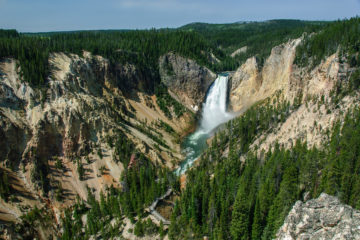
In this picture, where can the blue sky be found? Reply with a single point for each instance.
(49, 15)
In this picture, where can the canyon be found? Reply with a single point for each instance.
(89, 103)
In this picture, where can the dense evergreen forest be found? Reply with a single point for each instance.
(144, 47)
(342, 36)
(258, 37)
(249, 199)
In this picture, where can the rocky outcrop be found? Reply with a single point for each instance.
(239, 51)
(13, 140)
(281, 80)
(86, 101)
(244, 85)
(187, 81)
(250, 83)
(322, 218)
(14, 132)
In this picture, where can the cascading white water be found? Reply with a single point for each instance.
(213, 114)
(214, 109)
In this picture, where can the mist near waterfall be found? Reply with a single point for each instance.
(214, 109)
(213, 114)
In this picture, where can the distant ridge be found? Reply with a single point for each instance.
(199, 26)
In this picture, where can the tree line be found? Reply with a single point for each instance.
(142, 48)
(258, 37)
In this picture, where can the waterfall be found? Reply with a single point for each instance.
(213, 114)
(214, 109)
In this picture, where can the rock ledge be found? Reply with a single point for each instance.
(322, 218)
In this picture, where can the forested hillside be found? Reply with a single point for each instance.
(249, 199)
(258, 37)
(240, 192)
(342, 36)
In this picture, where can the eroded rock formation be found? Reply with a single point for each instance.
(187, 81)
(86, 101)
(322, 218)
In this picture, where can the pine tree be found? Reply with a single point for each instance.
(257, 225)
(239, 228)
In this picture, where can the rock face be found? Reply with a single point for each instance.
(281, 80)
(239, 51)
(87, 101)
(244, 84)
(187, 81)
(250, 84)
(322, 218)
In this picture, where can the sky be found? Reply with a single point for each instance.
(64, 15)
